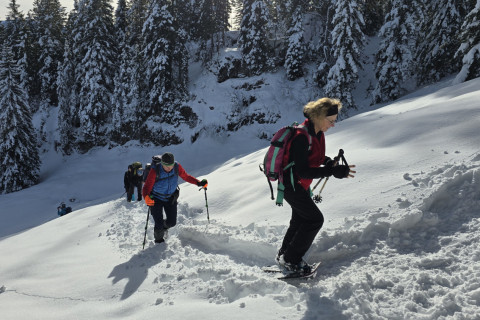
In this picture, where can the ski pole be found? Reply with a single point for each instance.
(318, 198)
(316, 184)
(206, 203)
(146, 226)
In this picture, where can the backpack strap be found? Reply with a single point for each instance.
(310, 138)
(157, 171)
(289, 168)
(281, 186)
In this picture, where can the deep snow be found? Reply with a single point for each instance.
(401, 240)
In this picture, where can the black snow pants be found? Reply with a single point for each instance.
(131, 191)
(306, 222)
(170, 208)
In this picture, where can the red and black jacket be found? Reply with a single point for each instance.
(308, 159)
(152, 175)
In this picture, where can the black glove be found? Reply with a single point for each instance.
(202, 183)
(328, 163)
(340, 171)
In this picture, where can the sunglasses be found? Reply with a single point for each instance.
(332, 122)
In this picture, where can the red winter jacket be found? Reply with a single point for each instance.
(150, 182)
(307, 162)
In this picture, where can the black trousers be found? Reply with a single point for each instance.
(170, 209)
(131, 191)
(306, 222)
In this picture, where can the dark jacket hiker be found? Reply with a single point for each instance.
(132, 179)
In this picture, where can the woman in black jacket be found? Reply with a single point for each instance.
(307, 150)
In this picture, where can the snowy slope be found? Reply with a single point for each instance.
(401, 239)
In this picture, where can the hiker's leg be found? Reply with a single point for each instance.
(131, 190)
(291, 232)
(308, 220)
(157, 214)
(139, 191)
(171, 213)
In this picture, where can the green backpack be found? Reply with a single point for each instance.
(135, 166)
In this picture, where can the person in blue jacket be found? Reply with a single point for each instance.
(62, 209)
(161, 192)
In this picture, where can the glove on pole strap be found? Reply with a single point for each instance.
(149, 201)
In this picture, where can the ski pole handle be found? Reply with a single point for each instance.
(335, 162)
(338, 157)
(318, 198)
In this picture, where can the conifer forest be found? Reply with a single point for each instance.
(120, 71)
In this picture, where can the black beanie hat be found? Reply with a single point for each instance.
(332, 110)
(168, 159)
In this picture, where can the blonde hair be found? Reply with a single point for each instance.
(321, 107)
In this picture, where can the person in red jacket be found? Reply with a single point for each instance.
(161, 191)
(310, 163)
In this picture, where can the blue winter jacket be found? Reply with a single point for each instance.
(165, 183)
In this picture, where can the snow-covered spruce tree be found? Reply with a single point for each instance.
(18, 149)
(253, 36)
(374, 13)
(165, 75)
(436, 49)
(16, 37)
(186, 13)
(181, 10)
(130, 86)
(49, 17)
(280, 19)
(319, 44)
(121, 22)
(295, 55)
(98, 72)
(395, 55)
(206, 28)
(347, 44)
(469, 50)
(68, 81)
(224, 9)
(120, 132)
(180, 62)
(2, 33)
(210, 25)
(66, 103)
(158, 47)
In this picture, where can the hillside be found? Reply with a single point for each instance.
(401, 239)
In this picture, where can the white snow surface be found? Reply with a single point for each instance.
(400, 241)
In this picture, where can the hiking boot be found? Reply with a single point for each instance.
(301, 267)
(279, 254)
(159, 240)
(159, 235)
